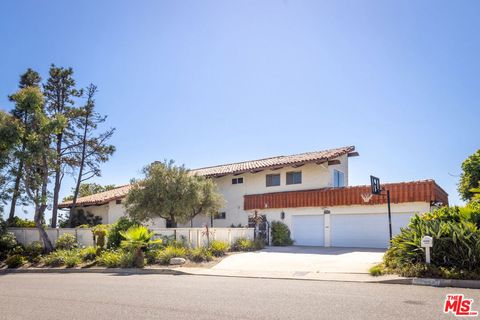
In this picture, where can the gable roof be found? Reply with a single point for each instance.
(258, 165)
(99, 198)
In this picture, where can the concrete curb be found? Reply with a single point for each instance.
(96, 270)
(469, 284)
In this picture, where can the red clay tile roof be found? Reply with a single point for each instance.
(99, 198)
(296, 159)
(415, 191)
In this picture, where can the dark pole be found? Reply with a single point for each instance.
(389, 215)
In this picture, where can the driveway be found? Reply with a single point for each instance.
(304, 259)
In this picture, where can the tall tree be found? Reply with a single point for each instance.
(172, 193)
(9, 139)
(470, 177)
(29, 79)
(60, 93)
(93, 149)
(37, 153)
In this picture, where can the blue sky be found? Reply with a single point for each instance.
(212, 82)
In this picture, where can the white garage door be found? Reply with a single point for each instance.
(308, 230)
(365, 230)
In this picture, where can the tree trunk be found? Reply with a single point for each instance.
(80, 171)
(58, 179)
(16, 190)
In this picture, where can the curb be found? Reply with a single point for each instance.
(92, 270)
(432, 282)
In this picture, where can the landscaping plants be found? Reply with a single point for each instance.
(456, 246)
(201, 254)
(138, 238)
(114, 236)
(66, 241)
(219, 248)
(15, 261)
(280, 234)
(170, 252)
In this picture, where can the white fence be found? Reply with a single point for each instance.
(193, 236)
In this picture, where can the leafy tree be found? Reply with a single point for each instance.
(60, 92)
(470, 177)
(137, 239)
(93, 149)
(172, 193)
(23, 115)
(36, 154)
(9, 138)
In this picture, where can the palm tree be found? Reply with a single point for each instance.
(137, 238)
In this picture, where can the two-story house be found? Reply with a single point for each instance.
(309, 192)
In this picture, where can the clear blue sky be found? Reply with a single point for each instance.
(212, 82)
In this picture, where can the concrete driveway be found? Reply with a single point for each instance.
(304, 259)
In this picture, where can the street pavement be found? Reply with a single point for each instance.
(113, 296)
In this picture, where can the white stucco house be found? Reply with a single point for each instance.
(309, 192)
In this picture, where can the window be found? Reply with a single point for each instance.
(221, 215)
(273, 180)
(294, 177)
(338, 179)
(237, 180)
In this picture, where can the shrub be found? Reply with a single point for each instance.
(17, 222)
(243, 244)
(114, 236)
(15, 261)
(219, 248)
(88, 253)
(33, 251)
(200, 254)
(116, 259)
(69, 258)
(99, 235)
(66, 241)
(7, 244)
(280, 234)
(170, 252)
(455, 251)
(377, 270)
(110, 259)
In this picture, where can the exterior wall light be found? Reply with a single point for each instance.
(282, 215)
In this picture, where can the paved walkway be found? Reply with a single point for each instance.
(303, 260)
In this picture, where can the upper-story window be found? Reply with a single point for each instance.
(272, 180)
(237, 180)
(294, 177)
(338, 179)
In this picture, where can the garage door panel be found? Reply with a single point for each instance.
(365, 230)
(308, 230)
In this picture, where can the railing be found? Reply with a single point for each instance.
(193, 236)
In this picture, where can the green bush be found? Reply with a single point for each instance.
(69, 258)
(200, 254)
(377, 270)
(455, 251)
(7, 244)
(99, 235)
(219, 248)
(33, 251)
(280, 234)
(17, 222)
(15, 261)
(116, 259)
(110, 259)
(66, 241)
(114, 236)
(170, 252)
(243, 244)
(88, 254)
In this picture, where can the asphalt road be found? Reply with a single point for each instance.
(108, 296)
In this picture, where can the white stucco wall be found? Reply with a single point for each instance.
(314, 176)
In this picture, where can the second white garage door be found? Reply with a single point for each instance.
(365, 230)
(308, 230)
